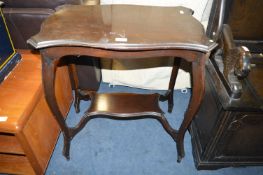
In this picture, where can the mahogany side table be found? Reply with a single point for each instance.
(124, 32)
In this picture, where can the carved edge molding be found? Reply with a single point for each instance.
(120, 46)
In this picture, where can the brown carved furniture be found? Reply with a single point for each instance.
(123, 32)
(28, 131)
(227, 130)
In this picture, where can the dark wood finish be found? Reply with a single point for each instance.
(85, 76)
(116, 31)
(123, 27)
(169, 94)
(255, 78)
(228, 132)
(124, 104)
(29, 134)
(79, 92)
(51, 58)
(236, 63)
(244, 17)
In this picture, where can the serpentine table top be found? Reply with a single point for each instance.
(122, 27)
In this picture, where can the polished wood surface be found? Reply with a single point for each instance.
(169, 94)
(28, 136)
(245, 19)
(227, 132)
(15, 164)
(117, 31)
(54, 56)
(124, 104)
(255, 79)
(17, 99)
(15, 88)
(10, 144)
(121, 27)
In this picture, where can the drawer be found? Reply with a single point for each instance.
(10, 145)
(15, 164)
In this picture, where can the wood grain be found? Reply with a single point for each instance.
(20, 92)
(122, 27)
(20, 164)
(9, 144)
(29, 135)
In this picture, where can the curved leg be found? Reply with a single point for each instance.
(66, 147)
(87, 117)
(169, 94)
(84, 120)
(167, 127)
(48, 79)
(198, 74)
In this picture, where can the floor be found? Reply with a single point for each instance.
(135, 147)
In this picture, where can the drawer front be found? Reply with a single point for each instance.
(15, 164)
(10, 145)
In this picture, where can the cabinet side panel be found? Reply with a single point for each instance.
(243, 139)
(207, 116)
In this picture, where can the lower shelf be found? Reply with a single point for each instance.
(124, 104)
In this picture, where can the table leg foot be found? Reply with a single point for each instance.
(179, 159)
(180, 150)
(66, 148)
